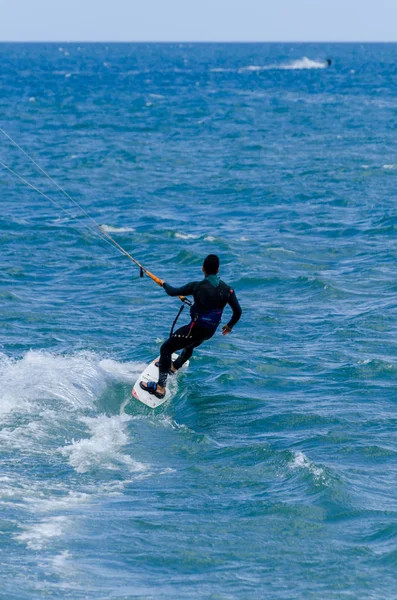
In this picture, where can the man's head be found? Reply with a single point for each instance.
(211, 265)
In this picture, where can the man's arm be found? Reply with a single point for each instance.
(236, 308)
(185, 290)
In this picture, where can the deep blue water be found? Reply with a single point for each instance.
(272, 472)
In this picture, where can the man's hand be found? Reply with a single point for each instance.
(226, 329)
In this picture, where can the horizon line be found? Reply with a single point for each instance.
(65, 41)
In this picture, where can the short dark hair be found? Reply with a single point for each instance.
(211, 264)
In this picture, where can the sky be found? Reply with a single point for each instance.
(198, 20)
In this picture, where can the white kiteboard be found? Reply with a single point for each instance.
(151, 373)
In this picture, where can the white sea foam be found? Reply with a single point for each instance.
(280, 249)
(186, 236)
(123, 372)
(255, 68)
(301, 461)
(45, 398)
(111, 229)
(304, 63)
(38, 535)
(390, 167)
(42, 379)
(46, 389)
(301, 63)
(220, 70)
(58, 503)
(103, 448)
(210, 238)
(61, 562)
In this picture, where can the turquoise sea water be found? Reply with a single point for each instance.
(272, 472)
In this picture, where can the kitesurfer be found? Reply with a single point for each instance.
(211, 295)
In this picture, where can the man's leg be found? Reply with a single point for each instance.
(187, 338)
(187, 353)
(197, 337)
(178, 341)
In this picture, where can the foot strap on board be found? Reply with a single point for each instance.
(151, 388)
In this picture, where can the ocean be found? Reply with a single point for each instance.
(271, 474)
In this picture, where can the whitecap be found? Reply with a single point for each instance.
(254, 68)
(37, 536)
(111, 229)
(301, 461)
(220, 70)
(280, 249)
(57, 503)
(41, 381)
(302, 63)
(122, 372)
(61, 562)
(186, 236)
(103, 449)
(390, 167)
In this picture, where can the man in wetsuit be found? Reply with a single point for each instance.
(210, 298)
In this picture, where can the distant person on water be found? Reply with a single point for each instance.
(211, 295)
(329, 62)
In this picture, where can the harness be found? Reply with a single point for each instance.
(202, 312)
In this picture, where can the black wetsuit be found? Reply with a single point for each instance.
(211, 295)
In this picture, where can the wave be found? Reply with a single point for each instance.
(103, 449)
(41, 378)
(52, 419)
(301, 461)
(46, 397)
